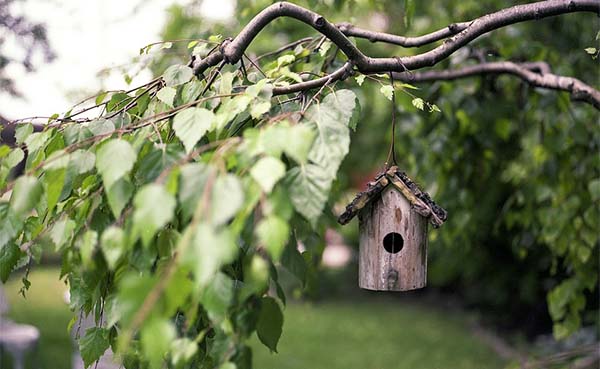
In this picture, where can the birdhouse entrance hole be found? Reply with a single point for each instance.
(393, 242)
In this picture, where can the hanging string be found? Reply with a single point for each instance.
(392, 153)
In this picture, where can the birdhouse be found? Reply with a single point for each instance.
(393, 216)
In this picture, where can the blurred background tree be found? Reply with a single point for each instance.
(33, 46)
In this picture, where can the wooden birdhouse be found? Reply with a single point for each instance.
(393, 215)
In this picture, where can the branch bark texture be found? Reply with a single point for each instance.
(535, 74)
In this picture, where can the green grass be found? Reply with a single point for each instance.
(375, 332)
(380, 334)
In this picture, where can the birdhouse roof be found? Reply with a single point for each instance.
(421, 201)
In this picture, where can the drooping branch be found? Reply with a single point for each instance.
(232, 50)
(535, 74)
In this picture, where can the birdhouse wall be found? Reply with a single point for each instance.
(380, 269)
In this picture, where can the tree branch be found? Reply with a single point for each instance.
(340, 74)
(478, 27)
(351, 30)
(232, 50)
(535, 74)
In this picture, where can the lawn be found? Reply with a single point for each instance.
(375, 332)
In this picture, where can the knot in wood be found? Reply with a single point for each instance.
(392, 278)
(319, 22)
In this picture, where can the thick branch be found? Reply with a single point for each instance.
(351, 30)
(478, 27)
(535, 74)
(232, 51)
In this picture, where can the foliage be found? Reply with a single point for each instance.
(153, 191)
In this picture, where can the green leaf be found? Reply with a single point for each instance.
(217, 297)
(191, 90)
(418, 103)
(211, 250)
(300, 141)
(132, 291)
(285, 60)
(293, 261)
(76, 133)
(156, 338)
(10, 224)
(87, 244)
(14, 158)
(594, 188)
(37, 140)
(82, 161)
(273, 232)
(9, 260)
(324, 48)
(409, 86)
(387, 91)
(53, 183)
(118, 195)
(360, 79)
(114, 159)
(62, 232)
(191, 44)
(100, 98)
(112, 244)
(227, 198)
(154, 208)
(22, 132)
(433, 108)
(57, 160)
(25, 194)
(225, 84)
(256, 279)
(4, 151)
(177, 75)
(332, 117)
(167, 95)
(267, 172)
(93, 345)
(192, 185)
(230, 109)
(308, 186)
(591, 50)
(101, 126)
(260, 108)
(270, 323)
(182, 351)
(191, 125)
